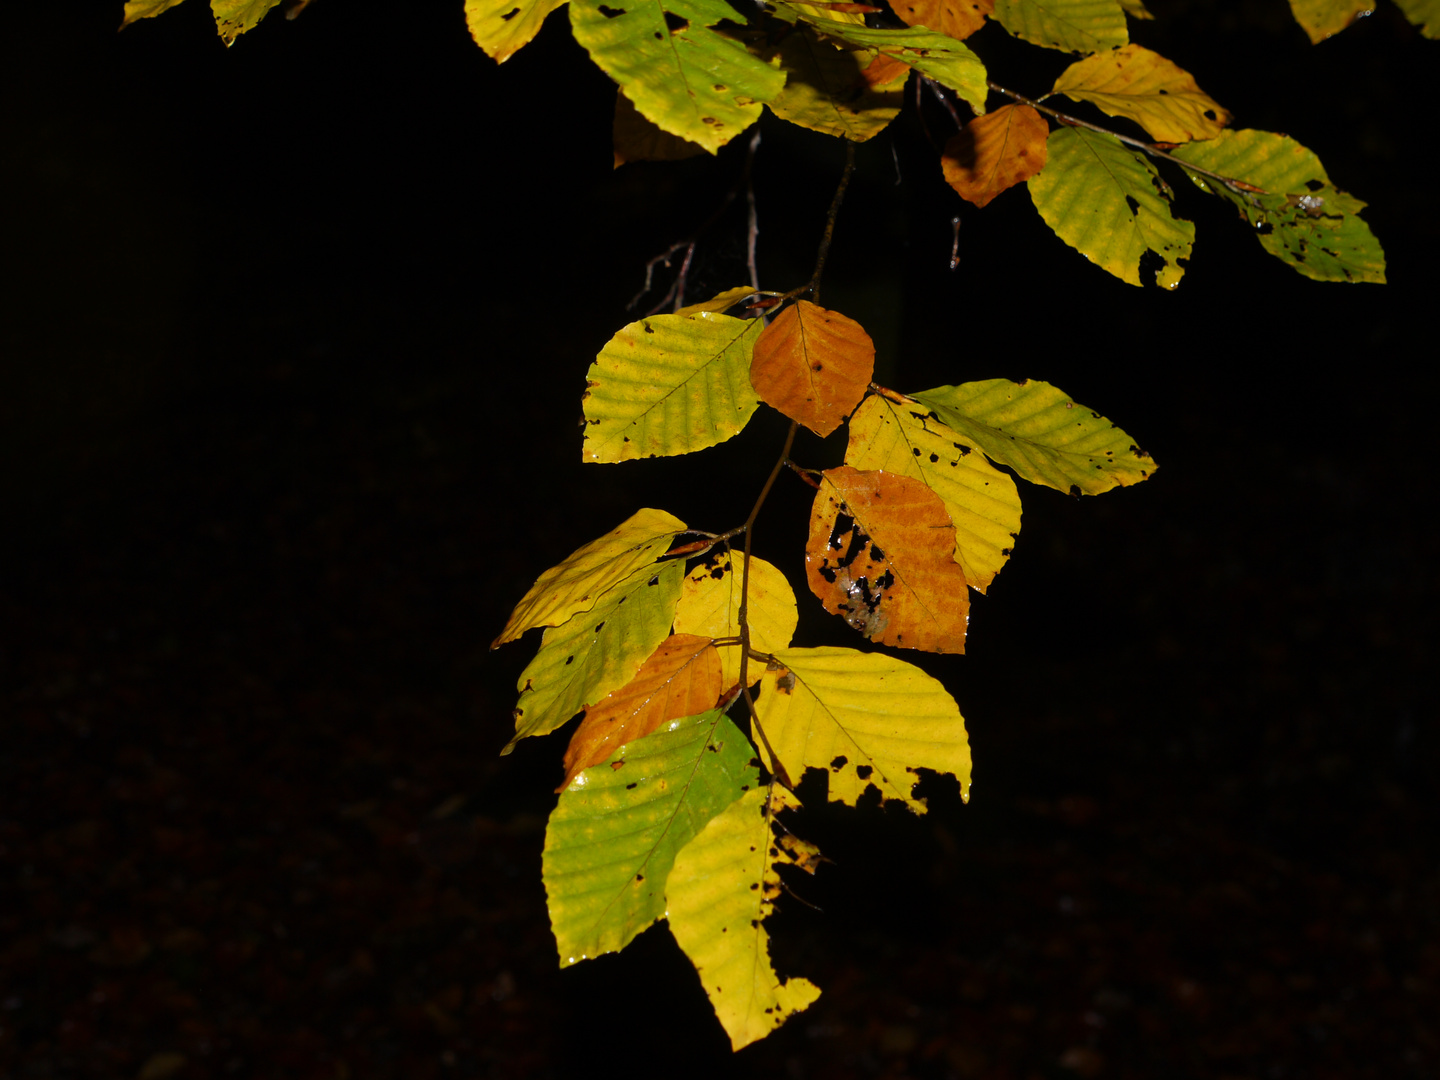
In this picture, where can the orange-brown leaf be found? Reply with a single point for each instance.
(954, 18)
(814, 365)
(883, 72)
(681, 678)
(881, 556)
(995, 152)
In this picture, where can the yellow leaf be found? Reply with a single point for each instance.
(145, 9)
(881, 555)
(994, 152)
(637, 139)
(904, 438)
(503, 27)
(1321, 19)
(720, 302)
(710, 606)
(234, 17)
(1143, 86)
(954, 18)
(814, 365)
(866, 719)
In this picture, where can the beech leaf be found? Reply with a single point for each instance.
(994, 152)
(955, 18)
(503, 27)
(1083, 26)
(145, 9)
(1136, 9)
(710, 607)
(720, 302)
(881, 554)
(868, 720)
(813, 365)
(234, 17)
(636, 139)
(826, 89)
(1321, 19)
(1424, 14)
(1143, 86)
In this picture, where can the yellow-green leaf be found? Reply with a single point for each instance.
(598, 651)
(503, 27)
(710, 607)
(1425, 14)
(1143, 86)
(670, 384)
(614, 834)
(826, 90)
(637, 139)
(1136, 9)
(1300, 217)
(1083, 26)
(1110, 204)
(234, 17)
(577, 583)
(1321, 19)
(145, 9)
(900, 437)
(1035, 429)
(720, 302)
(690, 80)
(866, 719)
(721, 888)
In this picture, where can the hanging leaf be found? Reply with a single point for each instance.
(710, 607)
(1136, 9)
(721, 888)
(1424, 14)
(614, 834)
(1083, 26)
(881, 555)
(683, 76)
(720, 302)
(866, 719)
(1143, 86)
(994, 152)
(680, 678)
(597, 651)
(575, 584)
(503, 27)
(888, 432)
(1110, 205)
(636, 139)
(1299, 216)
(813, 365)
(826, 89)
(1325, 18)
(145, 9)
(1033, 428)
(954, 18)
(234, 17)
(669, 384)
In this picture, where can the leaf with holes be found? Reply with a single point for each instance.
(614, 834)
(955, 18)
(826, 89)
(1143, 86)
(234, 17)
(813, 365)
(710, 607)
(868, 720)
(1035, 429)
(881, 555)
(1083, 26)
(721, 888)
(994, 152)
(1110, 205)
(503, 27)
(891, 433)
(681, 678)
(1321, 19)
(670, 384)
(684, 77)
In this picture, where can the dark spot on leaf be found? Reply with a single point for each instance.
(610, 12)
(675, 23)
(639, 877)
(863, 771)
(569, 660)
(597, 627)
(1075, 490)
(632, 787)
(648, 328)
(1006, 552)
(876, 555)
(1162, 89)
(963, 449)
(1314, 185)
(838, 764)
(1209, 114)
(659, 36)
(828, 573)
(718, 573)
(885, 580)
(917, 451)
(785, 683)
(753, 887)
(1132, 204)
(1264, 228)
(510, 14)
(934, 458)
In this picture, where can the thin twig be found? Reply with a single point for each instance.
(830, 217)
(949, 105)
(955, 243)
(752, 230)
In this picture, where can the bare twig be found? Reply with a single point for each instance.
(752, 230)
(934, 88)
(830, 217)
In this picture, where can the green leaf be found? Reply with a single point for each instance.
(721, 888)
(1083, 26)
(1033, 428)
(1110, 205)
(597, 651)
(503, 27)
(145, 9)
(614, 834)
(1425, 14)
(690, 81)
(1300, 217)
(670, 384)
(1143, 86)
(1321, 19)
(710, 607)
(899, 437)
(825, 88)
(234, 17)
(866, 719)
(577, 583)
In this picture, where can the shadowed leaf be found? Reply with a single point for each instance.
(710, 606)
(826, 89)
(813, 365)
(1425, 14)
(1321, 19)
(955, 18)
(994, 152)
(721, 302)
(1083, 26)
(1143, 86)
(637, 139)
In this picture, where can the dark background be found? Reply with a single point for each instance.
(292, 344)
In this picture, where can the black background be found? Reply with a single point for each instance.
(293, 339)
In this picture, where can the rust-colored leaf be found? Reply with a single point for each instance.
(885, 73)
(681, 678)
(880, 555)
(995, 152)
(813, 365)
(954, 18)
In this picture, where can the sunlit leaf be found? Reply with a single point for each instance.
(145, 9)
(234, 17)
(887, 433)
(669, 384)
(1425, 14)
(503, 27)
(636, 139)
(866, 719)
(955, 18)
(994, 152)
(1083, 26)
(598, 651)
(1325, 18)
(1109, 204)
(614, 834)
(721, 888)
(1033, 428)
(681, 74)
(881, 554)
(1301, 218)
(575, 584)
(710, 606)
(826, 89)
(1143, 86)
(813, 365)
(720, 302)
